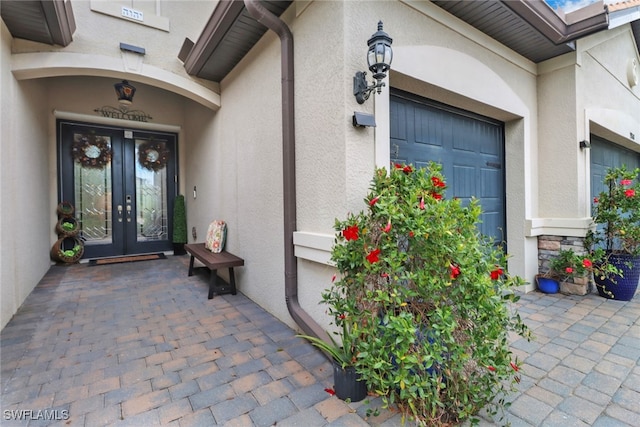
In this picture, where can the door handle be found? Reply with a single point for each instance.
(119, 213)
(128, 213)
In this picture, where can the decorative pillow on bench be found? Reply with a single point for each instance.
(216, 236)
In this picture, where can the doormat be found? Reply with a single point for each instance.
(129, 258)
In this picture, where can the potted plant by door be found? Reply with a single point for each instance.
(179, 226)
(348, 384)
(427, 300)
(616, 231)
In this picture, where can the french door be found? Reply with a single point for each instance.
(122, 183)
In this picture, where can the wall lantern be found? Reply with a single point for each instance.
(125, 92)
(379, 59)
(584, 144)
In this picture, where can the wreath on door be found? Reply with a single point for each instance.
(92, 151)
(153, 155)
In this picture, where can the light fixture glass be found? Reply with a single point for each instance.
(379, 57)
(380, 54)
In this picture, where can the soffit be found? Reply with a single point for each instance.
(228, 36)
(46, 21)
(531, 28)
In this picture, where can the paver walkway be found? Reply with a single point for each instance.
(139, 344)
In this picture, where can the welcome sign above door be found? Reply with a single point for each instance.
(123, 113)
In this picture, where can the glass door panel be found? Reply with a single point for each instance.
(152, 158)
(93, 203)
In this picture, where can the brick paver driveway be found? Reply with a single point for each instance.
(139, 344)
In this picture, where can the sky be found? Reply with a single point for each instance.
(571, 5)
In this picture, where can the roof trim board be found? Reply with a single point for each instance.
(45, 21)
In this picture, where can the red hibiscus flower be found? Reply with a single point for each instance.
(398, 166)
(437, 182)
(495, 274)
(596, 200)
(625, 182)
(374, 256)
(330, 391)
(388, 227)
(586, 263)
(568, 270)
(436, 196)
(411, 234)
(407, 169)
(491, 368)
(351, 232)
(374, 200)
(455, 271)
(630, 192)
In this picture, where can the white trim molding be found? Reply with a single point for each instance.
(26, 66)
(574, 227)
(313, 246)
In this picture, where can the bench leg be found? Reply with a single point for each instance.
(213, 283)
(232, 280)
(191, 266)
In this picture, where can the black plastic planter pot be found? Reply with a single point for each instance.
(347, 383)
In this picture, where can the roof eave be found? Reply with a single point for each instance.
(52, 21)
(558, 29)
(222, 18)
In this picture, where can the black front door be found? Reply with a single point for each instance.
(122, 183)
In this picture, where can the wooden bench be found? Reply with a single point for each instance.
(214, 262)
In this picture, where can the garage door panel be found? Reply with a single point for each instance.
(432, 128)
(463, 181)
(490, 184)
(490, 141)
(398, 124)
(470, 149)
(465, 137)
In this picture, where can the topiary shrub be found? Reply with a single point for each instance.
(179, 237)
(429, 298)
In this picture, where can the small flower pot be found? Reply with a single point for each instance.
(347, 383)
(67, 227)
(547, 285)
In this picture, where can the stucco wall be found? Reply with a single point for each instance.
(334, 160)
(611, 101)
(98, 33)
(24, 177)
(583, 92)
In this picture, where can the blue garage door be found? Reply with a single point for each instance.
(469, 147)
(605, 154)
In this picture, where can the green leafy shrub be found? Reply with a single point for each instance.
(427, 299)
(616, 213)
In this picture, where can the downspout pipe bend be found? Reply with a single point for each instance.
(274, 23)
